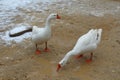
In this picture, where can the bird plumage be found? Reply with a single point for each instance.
(86, 43)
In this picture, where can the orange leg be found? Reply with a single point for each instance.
(79, 56)
(90, 59)
(37, 50)
(46, 48)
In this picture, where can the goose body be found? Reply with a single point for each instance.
(86, 43)
(40, 35)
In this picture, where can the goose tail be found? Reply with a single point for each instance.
(19, 33)
(99, 33)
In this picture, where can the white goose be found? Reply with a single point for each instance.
(39, 35)
(42, 35)
(86, 43)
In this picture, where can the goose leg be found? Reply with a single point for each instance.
(79, 56)
(37, 50)
(90, 59)
(46, 48)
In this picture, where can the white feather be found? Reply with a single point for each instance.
(41, 35)
(86, 43)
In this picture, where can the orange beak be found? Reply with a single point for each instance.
(58, 67)
(58, 17)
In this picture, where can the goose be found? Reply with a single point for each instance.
(86, 43)
(40, 35)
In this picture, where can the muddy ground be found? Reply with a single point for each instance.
(18, 61)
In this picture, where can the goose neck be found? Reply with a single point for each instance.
(67, 56)
(47, 24)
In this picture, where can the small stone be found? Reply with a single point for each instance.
(113, 71)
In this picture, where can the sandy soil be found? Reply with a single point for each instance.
(18, 61)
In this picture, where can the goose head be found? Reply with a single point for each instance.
(61, 64)
(64, 60)
(54, 16)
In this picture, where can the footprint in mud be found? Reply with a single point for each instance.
(2, 64)
(118, 41)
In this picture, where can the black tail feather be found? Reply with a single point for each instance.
(20, 33)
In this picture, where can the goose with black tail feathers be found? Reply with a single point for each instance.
(40, 35)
